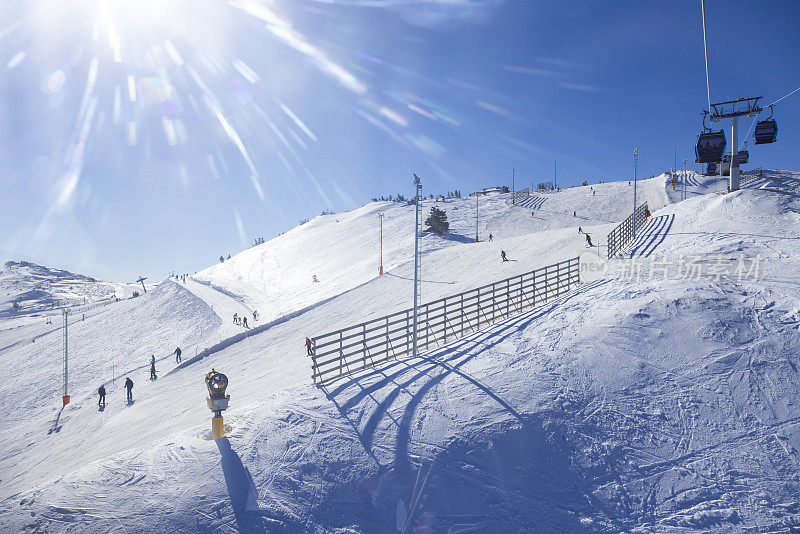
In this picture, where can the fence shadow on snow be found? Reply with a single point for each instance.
(383, 384)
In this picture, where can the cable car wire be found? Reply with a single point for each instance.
(705, 48)
(781, 98)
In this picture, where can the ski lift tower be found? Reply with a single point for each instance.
(141, 281)
(733, 109)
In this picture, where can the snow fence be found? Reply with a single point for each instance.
(624, 233)
(350, 349)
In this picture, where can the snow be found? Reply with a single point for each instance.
(639, 402)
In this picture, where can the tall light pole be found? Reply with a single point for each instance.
(65, 398)
(513, 189)
(380, 218)
(675, 160)
(476, 216)
(635, 171)
(417, 187)
(555, 174)
(684, 179)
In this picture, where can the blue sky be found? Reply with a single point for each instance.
(142, 137)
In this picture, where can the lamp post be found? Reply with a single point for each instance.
(476, 216)
(380, 217)
(684, 179)
(417, 188)
(65, 397)
(635, 171)
(513, 189)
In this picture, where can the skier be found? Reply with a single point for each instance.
(244, 321)
(177, 355)
(308, 346)
(589, 240)
(503, 255)
(235, 318)
(315, 279)
(574, 214)
(580, 230)
(490, 237)
(102, 392)
(255, 315)
(153, 367)
(129, 387)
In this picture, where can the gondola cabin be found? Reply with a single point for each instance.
(766, 132)
(710, 147)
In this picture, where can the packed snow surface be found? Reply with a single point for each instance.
(661, 396)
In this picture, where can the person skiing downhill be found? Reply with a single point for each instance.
(490, 237)
(129, 387)
(308, 346)
(244, 321)
(503, 255)
(589, 240)
(153, 367)
(235, 318)
(255, 315)
(177, 355)
(102, 400)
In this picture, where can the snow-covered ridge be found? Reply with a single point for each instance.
(27, 288)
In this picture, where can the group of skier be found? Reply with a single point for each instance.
(180, 277)
(241, 320)
(101, 391)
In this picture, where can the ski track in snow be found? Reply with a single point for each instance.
(642, 405)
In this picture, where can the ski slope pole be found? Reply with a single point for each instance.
(65, 397)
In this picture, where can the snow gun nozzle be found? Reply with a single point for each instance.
(217, 383)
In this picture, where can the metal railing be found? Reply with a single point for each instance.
(350, 349)
(519, 195)
(623, 234)
(749, 176)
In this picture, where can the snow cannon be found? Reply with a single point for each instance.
(217, 401)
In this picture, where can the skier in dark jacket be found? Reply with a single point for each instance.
(129, 387)
(503, 255)
(589, 240)
(308, 346)
(153, 367)
(244, 321)
(177, 355)
(102, 392)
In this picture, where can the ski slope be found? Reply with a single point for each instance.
(637, 403)
(343, 249)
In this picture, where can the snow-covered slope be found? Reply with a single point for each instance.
(650, 400)
(343, 250)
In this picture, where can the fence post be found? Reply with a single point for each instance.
(494, 301)
(314, 360)
(508, 296)
(444, 320)
(364, 341)
(408, 330)
(462, 315)
(478, 307)
(341, 353)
